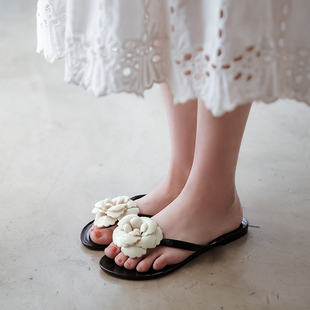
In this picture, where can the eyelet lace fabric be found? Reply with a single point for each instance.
(226, 53)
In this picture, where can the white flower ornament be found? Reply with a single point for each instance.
(134, 235)
(108, 211)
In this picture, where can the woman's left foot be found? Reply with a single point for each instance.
(190, 218)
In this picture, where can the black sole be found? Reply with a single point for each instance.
(108, 265)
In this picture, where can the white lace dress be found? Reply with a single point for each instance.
(225, 52)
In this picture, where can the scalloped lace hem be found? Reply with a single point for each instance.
(165, 42)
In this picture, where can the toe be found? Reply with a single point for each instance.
(160, 262)
(101, 235)
(170, 256)
(145, 264)
(112, 251)
(120, 259)
(131, 263)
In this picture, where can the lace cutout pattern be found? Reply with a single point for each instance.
(135, 64)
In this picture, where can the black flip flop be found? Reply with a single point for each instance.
(85, 237)
(108, 265)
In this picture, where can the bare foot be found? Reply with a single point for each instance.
(150, 204)
(191, 218)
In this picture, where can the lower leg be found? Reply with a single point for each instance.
(208, 205)
(182, 121)
(209, 196)
(217, 150)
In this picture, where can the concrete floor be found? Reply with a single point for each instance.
(61, 150)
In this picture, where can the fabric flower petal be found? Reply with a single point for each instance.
(127, 228)
(125, 220)
(121, 238)
(135, 232)
(104, 204)
(148, 227)
(147, 242)
(104, 221)
(120, 199)
(133, 251)
(133, 211)
(115, 214)
(136, 222)
(131, 204)
(114, 209)
(118, 207)
(134, 235)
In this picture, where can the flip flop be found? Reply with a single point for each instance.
(85, 236)
(108, 265)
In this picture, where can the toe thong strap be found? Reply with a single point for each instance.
(184, 245)
(221, 240)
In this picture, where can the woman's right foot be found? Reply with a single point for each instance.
(149, 204)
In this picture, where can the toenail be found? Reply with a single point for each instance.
(91, 229)
(112, 248)
(139, 268)
(127, 264)
(97, 234)
(119, 260)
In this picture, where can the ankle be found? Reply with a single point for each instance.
(217, 200)
(175, 181)
(231, 208)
